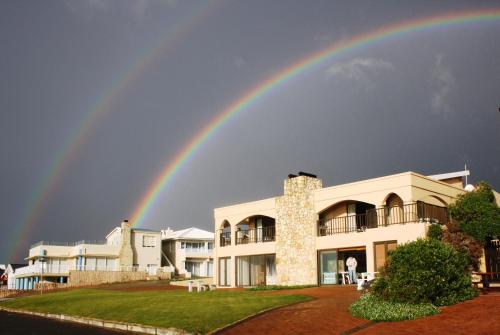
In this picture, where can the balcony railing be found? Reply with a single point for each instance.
(264, 234)
(225, 238)
(37, 269)
(67, 244)
(382, 217)
(197, 252)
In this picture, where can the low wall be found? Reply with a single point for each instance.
(86, 278)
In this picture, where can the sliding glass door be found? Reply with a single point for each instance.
(328, 267)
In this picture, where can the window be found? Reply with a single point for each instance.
(380, 250)
(148, 241)
(225, 271)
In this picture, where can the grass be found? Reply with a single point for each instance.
(194, 312)
(371, 308)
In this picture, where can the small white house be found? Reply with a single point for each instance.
(125, 249)
(189, 250)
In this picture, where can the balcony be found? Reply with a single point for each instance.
(37, 269)
(225, 238)
(255, 235)
(383, 217)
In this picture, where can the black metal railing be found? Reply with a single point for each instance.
(225, 238)
(382, 217)
(254, 235)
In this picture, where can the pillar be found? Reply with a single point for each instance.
(17, 284)
(61, 280)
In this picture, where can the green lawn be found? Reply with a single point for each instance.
(194, 312)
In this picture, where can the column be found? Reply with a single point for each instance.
(61, 280)
(16, 284)
(30, 283)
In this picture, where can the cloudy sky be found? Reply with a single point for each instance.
(97, 96)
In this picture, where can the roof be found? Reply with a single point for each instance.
(450, 175)
(190, 233)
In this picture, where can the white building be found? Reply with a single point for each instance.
(125, 249)
(189, 250)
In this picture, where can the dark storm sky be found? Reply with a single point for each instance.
(426, 102)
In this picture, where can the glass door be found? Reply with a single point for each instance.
(328, 267)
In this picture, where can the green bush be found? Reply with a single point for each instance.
(425, 271)
(372, 308)
(435, 231)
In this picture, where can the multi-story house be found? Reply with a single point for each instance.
(306, 235)
(189, 250)
(125, 249)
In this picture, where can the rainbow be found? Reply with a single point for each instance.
(70, 148)
(242, 103)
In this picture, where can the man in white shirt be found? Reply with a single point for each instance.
(351, 266)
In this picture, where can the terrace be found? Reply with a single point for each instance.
(383, 217)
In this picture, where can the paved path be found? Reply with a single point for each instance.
(20, 324)
(328, 314)
(478, 316)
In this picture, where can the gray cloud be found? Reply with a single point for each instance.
(359, 68)
(443, 83)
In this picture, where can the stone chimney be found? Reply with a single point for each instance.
(126, 255)
(296, 221)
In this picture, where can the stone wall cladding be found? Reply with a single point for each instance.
(296, 220)
(86, 278)
(126, 256)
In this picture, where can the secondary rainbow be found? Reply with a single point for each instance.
(70, 148)
(265, 87)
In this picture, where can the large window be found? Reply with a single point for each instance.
(380, 250)
(256, 270)
(225, 271)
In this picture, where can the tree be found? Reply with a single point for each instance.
(477, 213)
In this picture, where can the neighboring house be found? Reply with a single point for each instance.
(189, 250)
(306, 235)
(8, 274)
(125, 249)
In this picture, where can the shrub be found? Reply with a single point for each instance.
(425, 271)
(435, 231)
(373, 308)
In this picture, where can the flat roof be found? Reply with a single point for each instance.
(450, 175)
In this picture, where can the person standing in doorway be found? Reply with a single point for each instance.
(351, 266)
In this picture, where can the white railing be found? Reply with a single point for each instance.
(37, 269)
(193, 252)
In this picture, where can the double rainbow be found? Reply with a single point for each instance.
(70, 148)
(162, 181)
